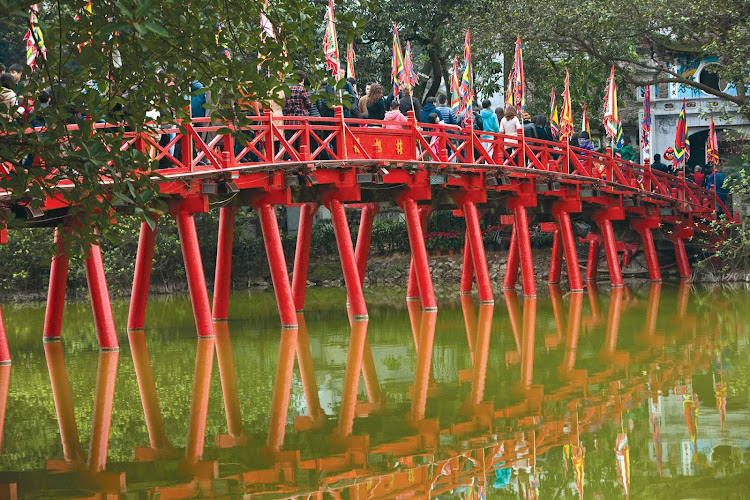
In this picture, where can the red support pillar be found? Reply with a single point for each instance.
(479, 257)
(106, 332)
(104, 398)
(683, 263)
(467, 268)
(58, 280)
(223, 274)
(412, 287)
(348, 261)
(302, 254)
(568, 240)
(196, 435)
(592, 264)
(364, 237)
(419, 254)
(511, 265)
(481, 355)
(644, 227)
(351, 378)
(528, 280)
(141, 278)
(424, 365)
(236, 435)
(604, 221)
(555, 265)
(277, 264)
(159, 445)
(191, 255)
(282, 388)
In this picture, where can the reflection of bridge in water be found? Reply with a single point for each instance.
(439, 448)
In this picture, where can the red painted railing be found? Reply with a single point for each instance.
(287, 142)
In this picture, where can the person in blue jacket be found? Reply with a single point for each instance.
(428, 109)
(489, 124)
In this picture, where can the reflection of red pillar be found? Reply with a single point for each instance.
(191, 255)
(555, 296)
(351, 378)
(419, 254)
(63, 398)
(4, 350)
(302, 253)
(477, 253)
(370, 374)
(528, 280)
(555, 265)
(527, 350)
(424, 365)
(610, 248)
(575, 308)
(142, 277)
(196, 435)
(236, 434)
(277, 263)
(652, 307)
(282, 387)
(99, 292)
(613, 320)
(104, 397)
(592, 263)
(223, 273)
(157, 436)
(467, 268)
(514, 311)
(415, 317)
(4, 383)
(348, 261)
(412, 286)
(568, 241)
(470, 321)
(58, 280)
(511, 266)
(683, 263)
(307, 371)
(484, 325)
(683, 294)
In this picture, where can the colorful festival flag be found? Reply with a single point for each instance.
(585, 121)
(611, 114)
(509, 90)
(466, 88)
(579, 456)
(681, 141)
(519, 85)
(35, 39)
(266, 26)
(331, 44)
(224, 47)
(411, 76)
(712, 146)
(350, 58)
(455, 96)
(397, 62)
(622, 455)
(566, 120)
(554, 120)
(646, 122)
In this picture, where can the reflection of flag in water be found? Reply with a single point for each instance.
(712, 146)
(622, 454)
(455, 96)
(554, 120)
(720, 390)
(579, 457)
(411, 76)
(656, 438)
(331, 44)
(690, 406)
(681, 141)
(566, 120)
(565, 457)
(466, 89)
(646, 122)
(397, 62)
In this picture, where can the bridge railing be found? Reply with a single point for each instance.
(203, 146)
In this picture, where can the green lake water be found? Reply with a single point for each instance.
(503, 408)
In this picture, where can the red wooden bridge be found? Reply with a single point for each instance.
(357, 164)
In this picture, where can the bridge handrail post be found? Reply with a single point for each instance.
(304, 142)
(411, 119)
(186, 146)
(567, 156)
(442, 145)
(228, 153)
(647, 174)
(469, 131)
(521, 156)
(610, 165)
(270, 140)
(341, 143)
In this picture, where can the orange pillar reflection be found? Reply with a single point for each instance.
(236, 434)
(159, 445)
(314, 418)
(196, 433)
(104, 398)
(649, 335)
(4, 384)
(609, 352)
(484, 326)
(470, 321)
(527, 348)
(575, 308)
(424, 365)
(514, 314)
(282, 387)
(683, 295)
(73, 456)
(592, 290)
(351, 378)
(555, 295)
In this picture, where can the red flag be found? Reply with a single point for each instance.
(712, 146)
(331, 44)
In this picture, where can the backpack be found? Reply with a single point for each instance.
(478, 122)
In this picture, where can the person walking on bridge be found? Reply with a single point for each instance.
(444, 111)
(489, 124)
(509, 126)
(376, 103)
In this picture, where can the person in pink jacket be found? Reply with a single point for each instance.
(394, 117)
